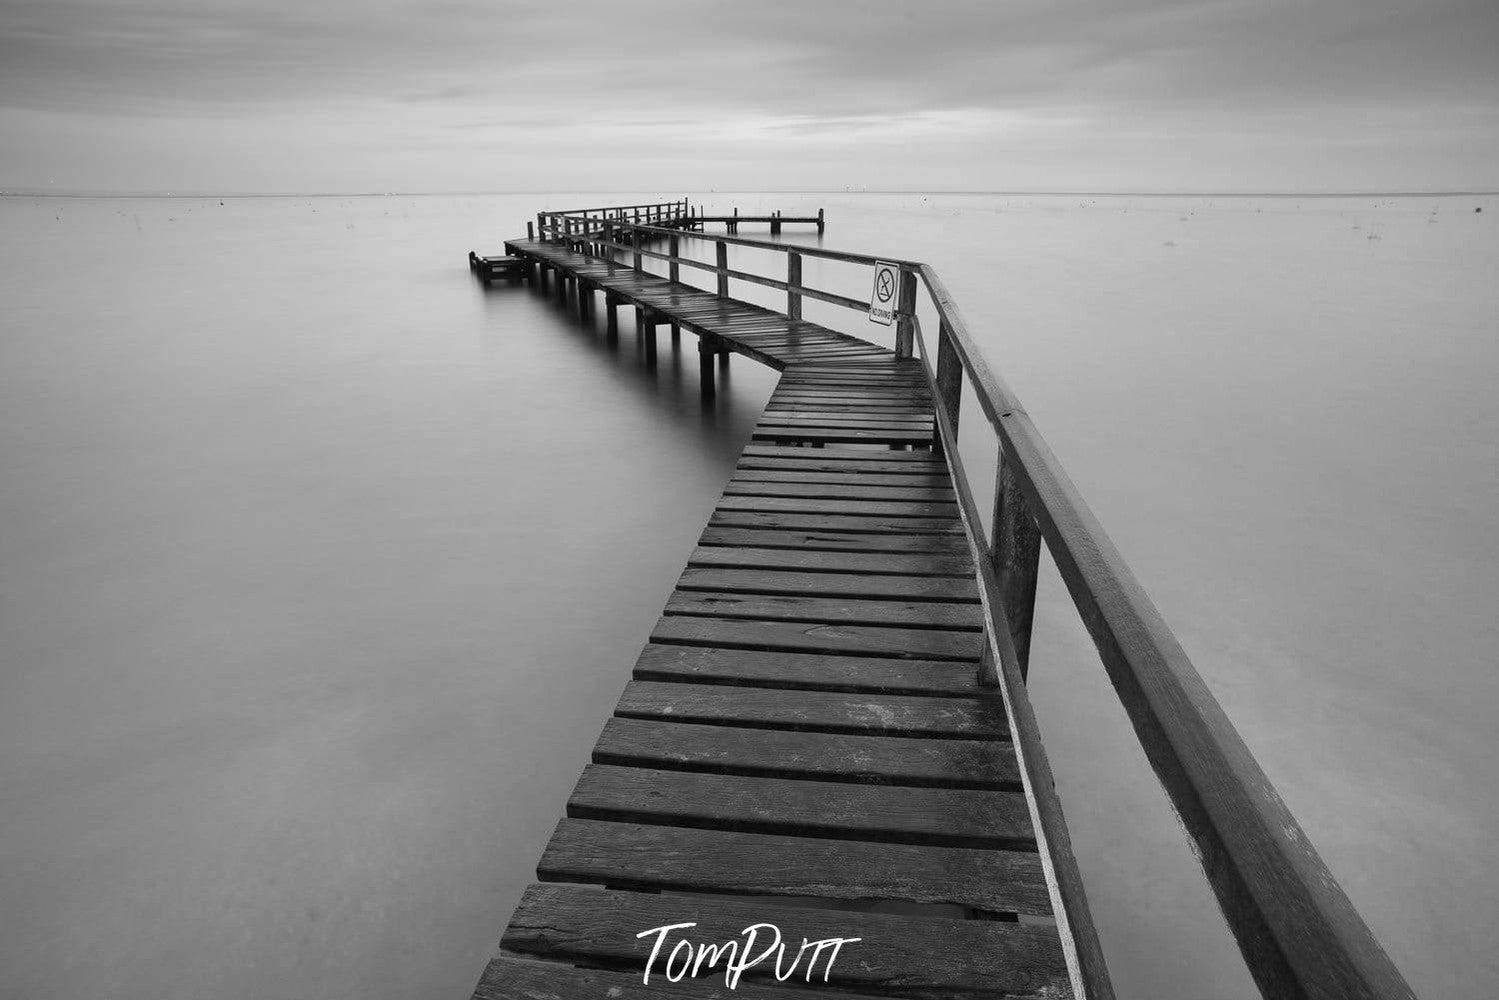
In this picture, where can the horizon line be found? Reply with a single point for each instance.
(84, 193)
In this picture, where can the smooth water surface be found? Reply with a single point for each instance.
(323, 565)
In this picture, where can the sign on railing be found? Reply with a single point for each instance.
(882, 295)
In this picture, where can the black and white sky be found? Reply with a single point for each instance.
(979, 95)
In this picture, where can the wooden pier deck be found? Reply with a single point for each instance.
(827, 731)
(805, 724)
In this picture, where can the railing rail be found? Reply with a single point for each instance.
(679, 203)
(1298, 932)
(597, 236)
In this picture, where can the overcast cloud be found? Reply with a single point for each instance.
(232, 95)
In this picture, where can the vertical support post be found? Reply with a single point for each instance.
(794, 280)
(905, 327)
(722, 253)
(819, 222)
(530, 231)
(949, 384)
(635, 245)
(775, 223)
(611, 328)
(705, 374)
(646, 326)
(541, 226)
(1015, 555)
(674, 247)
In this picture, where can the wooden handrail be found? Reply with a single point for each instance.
(594, 234)
(1298, 932)
(821, 253)
(1084, 953)
(673, 258)
(680, 202)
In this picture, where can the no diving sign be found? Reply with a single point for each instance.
(882, 296)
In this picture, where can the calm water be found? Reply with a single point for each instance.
(323, 566)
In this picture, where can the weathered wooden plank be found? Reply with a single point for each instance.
(508, 978)
(810, 464)
(978, 717)
(845, 541)
(947, 589)
(800, 354)
(836, 522)
(853, 396)
(630, 855)
(808, 408)
(794, 381)
(824, 757)
(850, 374)
(879, 371)
(897, 954)
(843, 417)
(900, 366)
(829, 390)
(837, 491)
(901, 393)
(952, 817)
(758, 450)
(887, 508)
(829, 610)
(852, 380)
(805, 671)
(829, 427)
(834, 435)
(877, 564)
(820, 408)
(804, 410)
(861, 478)
(904, 396)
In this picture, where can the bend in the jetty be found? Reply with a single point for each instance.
(828, 731)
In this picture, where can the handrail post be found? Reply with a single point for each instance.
(673, 247)
(905, 330)
(949, 381)
(723, 268)
(1015, 554)
(794, 283)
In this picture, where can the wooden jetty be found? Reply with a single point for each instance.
(828, 730)
(614, 222)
